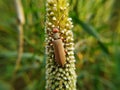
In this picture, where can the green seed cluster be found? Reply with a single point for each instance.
(57, 77)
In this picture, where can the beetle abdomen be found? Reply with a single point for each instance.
(59, 52)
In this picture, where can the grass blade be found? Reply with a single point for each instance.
(90, 30)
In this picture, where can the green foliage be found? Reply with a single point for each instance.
(89, 29)
(96, 32)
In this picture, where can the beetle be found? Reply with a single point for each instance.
(58, 48)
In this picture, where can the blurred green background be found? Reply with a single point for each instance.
(96, 37)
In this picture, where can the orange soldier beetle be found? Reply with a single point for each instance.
(58, 48)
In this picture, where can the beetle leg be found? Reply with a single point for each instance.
(65, 52)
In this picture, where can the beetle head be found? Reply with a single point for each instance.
(55, 30)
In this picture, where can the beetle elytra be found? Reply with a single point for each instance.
(58, 48)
